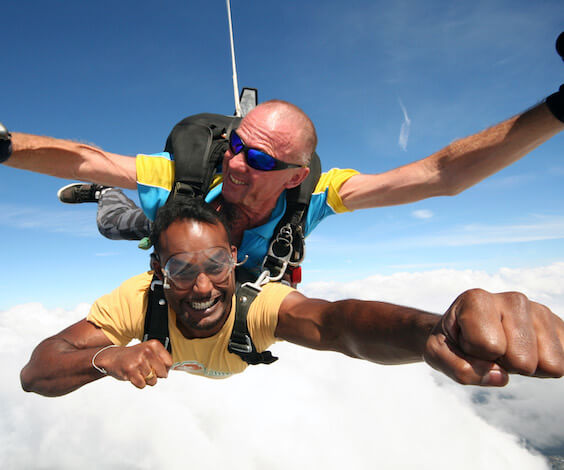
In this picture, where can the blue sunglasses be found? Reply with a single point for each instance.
(255, 158)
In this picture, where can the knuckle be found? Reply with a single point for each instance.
(432, 350)
(518, 301)
(465, 374)
(473, 295)
(153, 343)
(553, 366)
(521, 365)
(554, 370)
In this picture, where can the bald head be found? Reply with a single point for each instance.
(295, 132)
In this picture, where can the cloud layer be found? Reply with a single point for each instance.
(310, 409)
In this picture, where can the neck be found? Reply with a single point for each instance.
(241, 218)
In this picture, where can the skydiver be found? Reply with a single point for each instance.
(281, 130)
(480, 339)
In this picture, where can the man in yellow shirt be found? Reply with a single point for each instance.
(481, 338)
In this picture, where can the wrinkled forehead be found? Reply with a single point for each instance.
(271, 132)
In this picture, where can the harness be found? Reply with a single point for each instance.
(198, 144)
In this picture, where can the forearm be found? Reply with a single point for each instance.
(57, 368)
(384, 333)
(456, 167)
(71, 160)
(376, 331)
(468, 161)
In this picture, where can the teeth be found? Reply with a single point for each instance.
(196, 305)
(236, 181)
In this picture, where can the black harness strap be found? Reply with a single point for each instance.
(156, 318)
(198, 144)
(241, 342)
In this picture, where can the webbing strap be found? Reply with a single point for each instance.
(156, 318)
(240, 342)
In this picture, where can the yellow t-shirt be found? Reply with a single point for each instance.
(121, 315)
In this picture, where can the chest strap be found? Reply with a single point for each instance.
(156, 318)
(240, 342)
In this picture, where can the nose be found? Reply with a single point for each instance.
(235, 161)
(202, 284)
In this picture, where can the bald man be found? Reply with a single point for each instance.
(253, 198)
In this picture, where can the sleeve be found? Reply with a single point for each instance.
(121, 313)
(155, 177)
(330, 183)
(325, 200)
(263, 314)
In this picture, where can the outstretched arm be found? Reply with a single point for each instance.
(456, 167)
(71, 160)
(63, 363)
(479, 340)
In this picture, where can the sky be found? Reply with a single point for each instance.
(386, 83)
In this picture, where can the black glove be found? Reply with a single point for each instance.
(555, 102)
(5, 144)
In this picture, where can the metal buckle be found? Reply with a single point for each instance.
(279, 260)
(243, 348)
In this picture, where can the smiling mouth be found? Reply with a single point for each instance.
(236, 181)
(203, 304)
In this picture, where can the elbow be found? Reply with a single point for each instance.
(453, 188)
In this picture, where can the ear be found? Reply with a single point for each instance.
(234, 252)
(156, 266)
(299, 176)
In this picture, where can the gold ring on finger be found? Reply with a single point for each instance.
(150, 375)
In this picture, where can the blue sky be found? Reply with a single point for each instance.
(120, 74)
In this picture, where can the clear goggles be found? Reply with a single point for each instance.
(182, 269)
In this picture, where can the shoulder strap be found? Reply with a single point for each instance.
(156, 317)
(240, 342)
(198, 143)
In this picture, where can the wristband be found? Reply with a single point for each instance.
(555, 103)
(101, 369)
(5, 144)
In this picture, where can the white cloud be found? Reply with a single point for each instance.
(533, 228)
(436, 289)
(422, 214)
(405, 127)
(310, 409)
(530, 408)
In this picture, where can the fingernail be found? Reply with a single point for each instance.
(495, 378)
